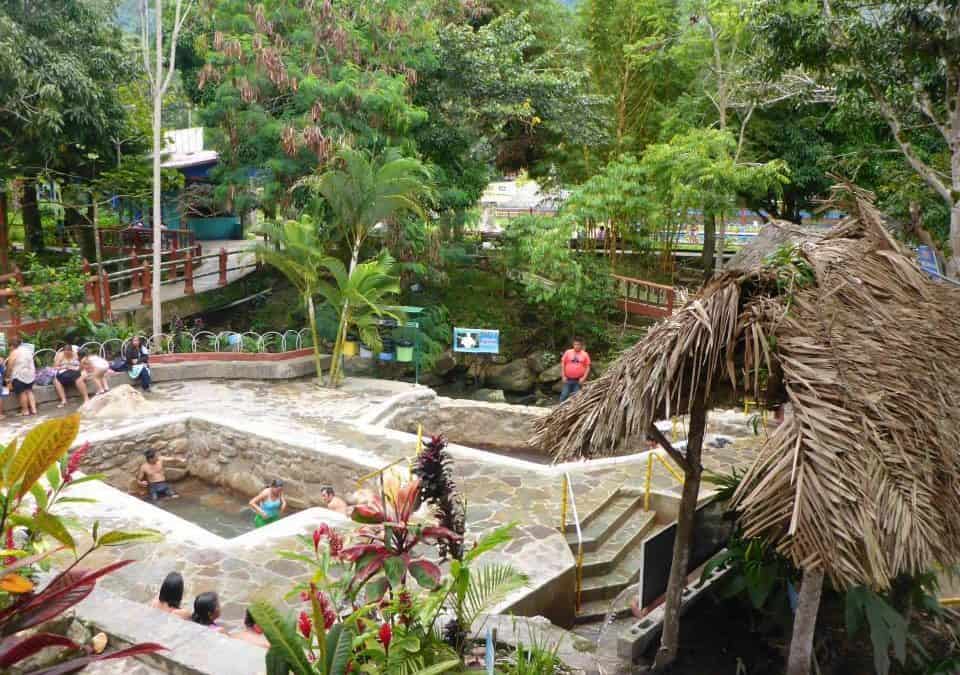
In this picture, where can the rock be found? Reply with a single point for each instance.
(515, 376)
(430, 380)
(557, 387)
(540, 361)
(446, 363)
(121, 401)
(489, 395)
(551, 374)
(175, 474)
(358, 366)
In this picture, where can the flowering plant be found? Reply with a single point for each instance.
(373, 602)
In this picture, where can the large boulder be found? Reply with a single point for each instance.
(120, 402)
(444, 364)
(550, 375)
(540, 361)
(515, 376)
(489, 395)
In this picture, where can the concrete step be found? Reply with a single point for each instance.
(607, 586)
(597, 610)
(631, 534)
(606, 518)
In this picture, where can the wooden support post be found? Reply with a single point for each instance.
(145, 283)
(223, 268)
(134, 265)
(15, 314)
(93, 290)
(188, 274)
(105, 295)
(172, 270)
(89, 286)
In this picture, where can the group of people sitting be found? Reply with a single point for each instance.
(72, 367)
(206, 611)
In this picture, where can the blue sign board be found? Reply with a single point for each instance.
(476, 341)
(928, 260)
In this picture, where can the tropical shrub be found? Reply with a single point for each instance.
(375, 603)
(35, 477)
(55, 291)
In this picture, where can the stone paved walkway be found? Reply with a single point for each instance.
(498, 490)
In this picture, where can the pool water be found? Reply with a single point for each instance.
(222, 511)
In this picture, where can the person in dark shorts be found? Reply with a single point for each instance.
(67, 365)
(20, 373)
(152, 477)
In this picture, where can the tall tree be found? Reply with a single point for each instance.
(59, 62)
(899, 60)
(160, 67)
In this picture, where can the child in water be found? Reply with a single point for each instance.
(269, 505)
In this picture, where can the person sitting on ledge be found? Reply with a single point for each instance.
(331, 501)
(95, 368)
(137, 358)
(152, 476)
(170, 596)
(69, 373)
(251, 632)
(206, 611)
(269, 505)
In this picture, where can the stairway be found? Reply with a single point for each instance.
(613, 535)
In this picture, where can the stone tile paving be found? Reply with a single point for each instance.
(497, 489)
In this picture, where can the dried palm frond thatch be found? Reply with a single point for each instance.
(863, 480)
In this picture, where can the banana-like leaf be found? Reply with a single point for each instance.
(76, 665)
(339, 649)
(121, 537)
(276, 664)
(48, 524)
(14, 651)
(282, 637)
(43, 446)
(443, 667)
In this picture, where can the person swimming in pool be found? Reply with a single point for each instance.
(270, 504)
(151, 476)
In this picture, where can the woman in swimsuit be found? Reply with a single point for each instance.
(95, 367)
(269, 505)
(206, 611)
(171, 596)
(67, 365)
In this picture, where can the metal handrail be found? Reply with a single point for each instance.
(653, 455)
(568, 492)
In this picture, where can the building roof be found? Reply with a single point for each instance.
(184, 148)
(863, 478)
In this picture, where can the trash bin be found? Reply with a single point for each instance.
(351, 346)
(386, 352)
(404, 351)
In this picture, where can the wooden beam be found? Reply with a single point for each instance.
(675, 454)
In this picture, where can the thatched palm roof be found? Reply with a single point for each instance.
(863, 480)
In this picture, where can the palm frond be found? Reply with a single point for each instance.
(489, 585)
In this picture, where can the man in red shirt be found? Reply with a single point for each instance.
(575, 367)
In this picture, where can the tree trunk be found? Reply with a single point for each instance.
(922, 234)
(670, 639)
(709, 244)
(32, 227)
(335, 364)
(805, 623)
(953, 265)
(88, 249)
(311, 313)
(4, 231)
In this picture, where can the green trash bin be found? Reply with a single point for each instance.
(404, 351)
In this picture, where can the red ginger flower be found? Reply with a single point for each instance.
(386, 635)
(75, 460)
(305, 624)
(334, 539)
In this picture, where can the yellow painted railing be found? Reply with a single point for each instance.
(950, 602)
(568, 498)
(651, 457)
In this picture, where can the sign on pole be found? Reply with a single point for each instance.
(928, 260)
(476, 341)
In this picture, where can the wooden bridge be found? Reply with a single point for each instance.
(124, 285)
(644, 298)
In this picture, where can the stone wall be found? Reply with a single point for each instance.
(221, 455)
(499, 426)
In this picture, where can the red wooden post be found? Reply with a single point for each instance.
(15, 314)
(134, 268)
(146, 296)
(105, 294)
(89, 286)
(93, 290)
(223, 268)
(188, 274)
(174, 258)
(670, 295)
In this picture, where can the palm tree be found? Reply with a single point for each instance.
(366, 191)
(295, 249)
(359, 296)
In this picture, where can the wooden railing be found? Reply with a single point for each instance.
(139, 240)
(644, 298)
(133, 276)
